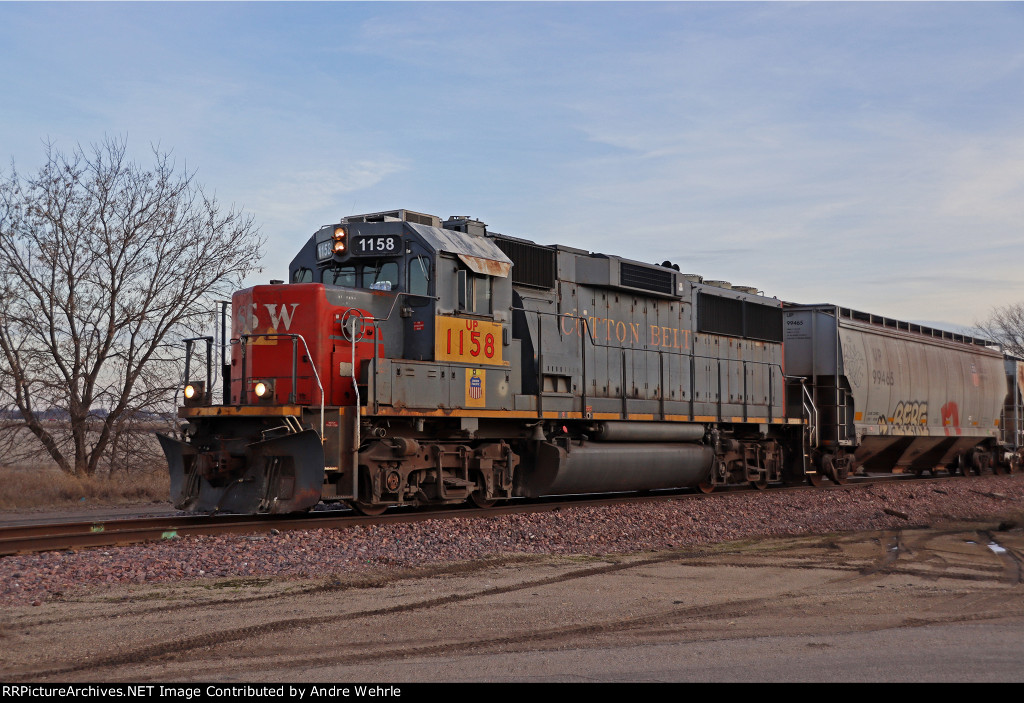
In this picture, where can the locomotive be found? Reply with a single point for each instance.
(414, 361)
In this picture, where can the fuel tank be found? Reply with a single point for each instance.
(567, 467)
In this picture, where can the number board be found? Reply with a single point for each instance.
(468, 341)
(376, 245)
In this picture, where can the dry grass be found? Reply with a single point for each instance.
(37, 487)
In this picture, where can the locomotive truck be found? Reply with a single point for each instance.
(414, 361)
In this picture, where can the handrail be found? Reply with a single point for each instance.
(208, 392)
(812, 413)
(292, 396)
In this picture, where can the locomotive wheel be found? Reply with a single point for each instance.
(479, 501)
(367, 509)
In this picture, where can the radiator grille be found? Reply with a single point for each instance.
(657, 280)
(533, 265)
(738, 318)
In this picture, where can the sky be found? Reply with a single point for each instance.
(869, 154)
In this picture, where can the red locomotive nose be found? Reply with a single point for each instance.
(291, 346)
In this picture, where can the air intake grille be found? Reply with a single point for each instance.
(533, 265)
(419, 219)
(657, 280)
(763, 322)
(717, 315)
(738, 318)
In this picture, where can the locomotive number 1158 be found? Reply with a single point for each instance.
(382, 245)
(471, 341)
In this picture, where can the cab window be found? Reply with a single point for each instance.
(381, 275)
(341, 276)
(482, 294)
(474, 292)
(419, 275)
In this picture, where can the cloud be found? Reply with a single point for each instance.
(317, 190)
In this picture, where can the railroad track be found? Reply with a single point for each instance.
(23, 539)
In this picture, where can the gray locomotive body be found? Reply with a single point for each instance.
(413, 361)
(644, 377)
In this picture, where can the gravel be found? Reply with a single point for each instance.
(637, 527)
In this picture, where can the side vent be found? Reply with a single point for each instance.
(419, 219)
(717, 315)
(738, 318)
(396, 216)
(532, 265)
(763, 322)
(658, 280)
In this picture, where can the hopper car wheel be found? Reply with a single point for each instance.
(839, 477)
(706, 486)
(760, 484)
(965, 462)
(367, 509)
(838, 474)
(815, 479)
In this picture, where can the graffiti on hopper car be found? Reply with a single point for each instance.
(909, 417)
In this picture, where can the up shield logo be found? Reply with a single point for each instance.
(476, 388)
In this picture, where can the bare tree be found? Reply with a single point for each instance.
(1006, 326)
(105, 265)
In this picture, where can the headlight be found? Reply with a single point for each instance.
(263, 391)
(195, 394)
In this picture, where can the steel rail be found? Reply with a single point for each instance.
(26, 539)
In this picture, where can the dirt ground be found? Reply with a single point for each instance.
(943, 604)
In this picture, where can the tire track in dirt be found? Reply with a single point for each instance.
(179, 646)
(548, 638)
(891, 542)
(335, 585)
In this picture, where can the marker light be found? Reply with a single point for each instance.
(339, 239)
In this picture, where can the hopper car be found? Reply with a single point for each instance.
(414, 361)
